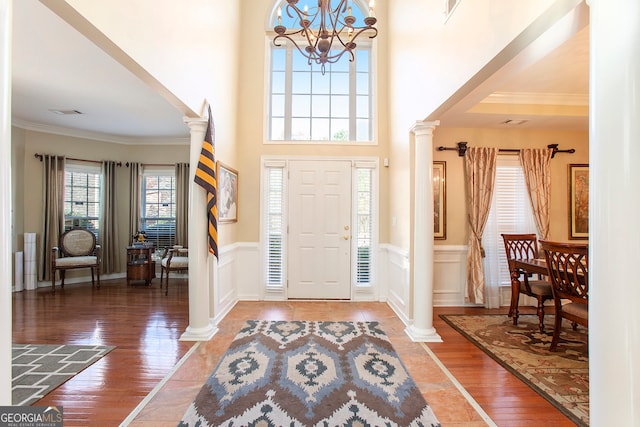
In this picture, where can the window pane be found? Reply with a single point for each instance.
(320, 106)
(278, 82)
(362, 61)
(363, 130)
(300, 129)
(277, 128)
(301, 105)
(342, 64)
(340, 107)
(278, 59)
(362, 84)
(301, 82)
(340, 129)
(300, 63)
(320, 129)
(321, 84)
(277, 105)
(362, 106)
(340, 83)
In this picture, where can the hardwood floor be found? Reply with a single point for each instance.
(145, 325)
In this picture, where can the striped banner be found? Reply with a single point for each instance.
(206, 178)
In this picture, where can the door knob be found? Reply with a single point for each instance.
(345, 237)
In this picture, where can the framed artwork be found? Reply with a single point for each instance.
(439, 200)
(227, 193)
(578, 201)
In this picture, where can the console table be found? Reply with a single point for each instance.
(140, 266)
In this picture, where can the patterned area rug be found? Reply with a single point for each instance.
(301, 373)
(39, 368)
(561, 377)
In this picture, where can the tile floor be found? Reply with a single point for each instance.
(167, 406)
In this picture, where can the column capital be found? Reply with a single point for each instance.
(424, 128)
(196, 123)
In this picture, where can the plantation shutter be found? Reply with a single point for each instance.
(365, 218)
(275, 220)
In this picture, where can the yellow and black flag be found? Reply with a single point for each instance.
(206, 178)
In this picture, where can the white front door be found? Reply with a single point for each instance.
(320, 230)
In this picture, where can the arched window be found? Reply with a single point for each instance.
(305, 105)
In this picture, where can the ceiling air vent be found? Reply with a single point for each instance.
(66, 112)
(514, 122)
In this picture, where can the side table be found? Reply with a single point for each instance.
(140, 266)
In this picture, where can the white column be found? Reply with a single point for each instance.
(6, 7)
(421, 329)
(614, 203)
(199, 329)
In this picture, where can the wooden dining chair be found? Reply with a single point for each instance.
(525, 246)
(568, 265)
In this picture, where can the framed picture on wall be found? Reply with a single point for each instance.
(227, 193)
(439, 200)
(578, 201)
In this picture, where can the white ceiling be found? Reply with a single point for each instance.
(57, 68)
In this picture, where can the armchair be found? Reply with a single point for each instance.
(77, 249)
(174, 259)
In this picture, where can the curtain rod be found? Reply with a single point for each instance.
(41, 156)
(152, 164)
(462, 149)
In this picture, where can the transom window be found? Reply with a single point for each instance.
(82, 197)
(305, 105)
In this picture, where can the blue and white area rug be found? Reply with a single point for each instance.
(301, 373)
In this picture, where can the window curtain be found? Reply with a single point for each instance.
(537, 175)
(134, 199)
(182, 204)
(480, 170)
(108, 234)
(53, 213)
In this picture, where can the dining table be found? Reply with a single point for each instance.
(532, 266)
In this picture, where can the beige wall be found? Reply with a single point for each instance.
(457, 229)
(29, 174)
(433, 62)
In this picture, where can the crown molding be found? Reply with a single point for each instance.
(97, 136)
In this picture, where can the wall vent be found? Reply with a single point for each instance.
(66, 112)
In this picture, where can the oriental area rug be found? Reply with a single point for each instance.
(561, 377)
(310, 373)
(36, 369)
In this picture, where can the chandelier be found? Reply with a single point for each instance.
(325, 32)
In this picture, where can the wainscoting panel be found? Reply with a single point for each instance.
(247, 271)
(397, 281)
(225, 294)
(449, 275)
